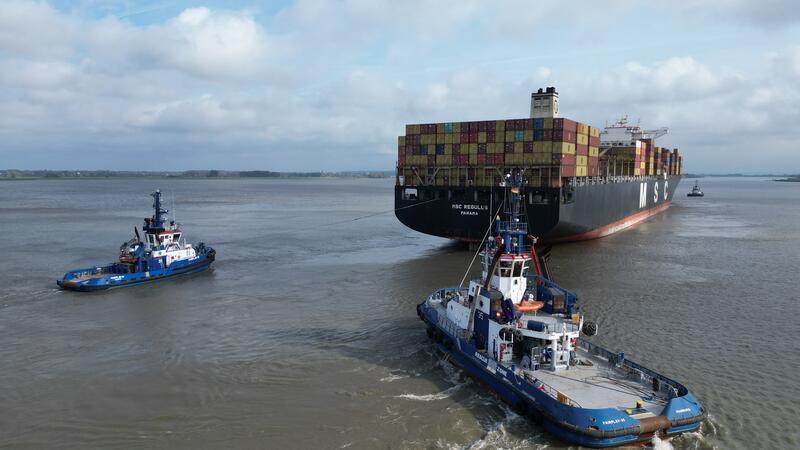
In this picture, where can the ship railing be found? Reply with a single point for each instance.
(513, 226)
(551, 391)
(633, 369)
(450, 327)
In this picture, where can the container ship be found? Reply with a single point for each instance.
(580, 182)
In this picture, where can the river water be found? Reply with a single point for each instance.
(305, 334)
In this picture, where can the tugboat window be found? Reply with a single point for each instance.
(517, 269)
(505, 268)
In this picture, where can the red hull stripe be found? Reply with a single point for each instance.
(615, 226)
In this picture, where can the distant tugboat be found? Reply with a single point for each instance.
(696, 192)
(161, 255)
(520, 335)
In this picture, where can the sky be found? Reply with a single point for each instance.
(311, 85)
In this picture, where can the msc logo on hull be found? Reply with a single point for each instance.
(643, 193)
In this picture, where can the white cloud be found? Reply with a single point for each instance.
(336, 81)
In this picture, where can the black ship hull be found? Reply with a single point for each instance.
(563, 214)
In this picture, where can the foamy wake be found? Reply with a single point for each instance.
(433, 397)
(496, 435)
(661, 444)
(393, 377)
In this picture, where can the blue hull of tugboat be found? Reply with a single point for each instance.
(72, 282)
(598, 428)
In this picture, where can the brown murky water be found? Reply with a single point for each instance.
(305, 333)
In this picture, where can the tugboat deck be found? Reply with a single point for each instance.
(600, 386)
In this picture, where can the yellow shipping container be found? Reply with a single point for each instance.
(637, 172)
(583, 139)
(543, 147)
(543, 158)
(499, 137)
(482, 137)
(528, 135)
(401, 140)
(412, 129)
(510, 136)
(473, 159)
(583, 129)
(564, 148)
(518, 147)
(422, 160)
(444, 160)
(581, 161)
(472, 149)
(529, 159)
(594, 132)
(499, 126)
(440, 138)
(427, 139)
(641, 165)
(548, 123)
(593, 151)
(581, 171)
(514, 159)
(439, 128)
(457, 127)
(448, 149)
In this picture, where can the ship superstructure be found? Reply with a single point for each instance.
(521, 335)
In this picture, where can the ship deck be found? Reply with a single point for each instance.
(600, 386)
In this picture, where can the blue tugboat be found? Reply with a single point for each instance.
(520, 334)
(162, 254)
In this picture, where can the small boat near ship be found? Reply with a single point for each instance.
(162, 254)
(696, 192)
(520, 334)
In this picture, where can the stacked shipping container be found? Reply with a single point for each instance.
(470, 153)
(478, 153)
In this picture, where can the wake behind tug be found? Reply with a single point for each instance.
(520, 334)
(162, 254)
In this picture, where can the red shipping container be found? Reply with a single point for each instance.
(567, 171)
(498, 158)
(481, 148)
(563, 136)
(431, 160)
(527, 147)
(565, 124)
(593, 161)
(564, 160)
(456, 149)
(511, 125)
(509, 147)
(473, 137)
(464, 138)
(582, 150)
(481, 160)
(593, 171)
(482, 126)
(547, 135)
(472, 127)
(528, 124)
(594, 141)
(491, 125)
(490, 135)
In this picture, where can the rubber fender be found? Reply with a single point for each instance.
(589, 328)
